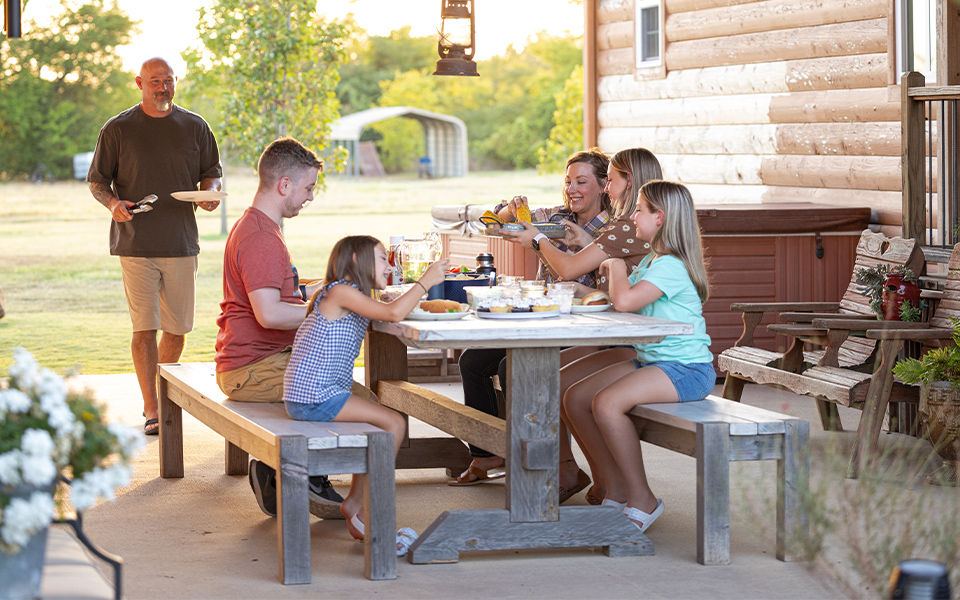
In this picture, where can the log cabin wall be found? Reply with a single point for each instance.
(758, 101)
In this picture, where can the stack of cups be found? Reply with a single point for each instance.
(562, 292)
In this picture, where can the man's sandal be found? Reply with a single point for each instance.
(151, 427)
(645, 519)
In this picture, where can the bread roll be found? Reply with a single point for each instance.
(595, 298)
(439, 306)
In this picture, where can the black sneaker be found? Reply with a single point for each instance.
(263, 482)
(324, 500)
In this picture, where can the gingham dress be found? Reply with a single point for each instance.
(321, 364)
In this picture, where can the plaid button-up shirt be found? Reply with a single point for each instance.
(593, 227)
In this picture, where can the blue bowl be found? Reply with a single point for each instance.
(453, 289)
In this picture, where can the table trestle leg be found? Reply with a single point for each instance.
(533, 430)
(458, 531)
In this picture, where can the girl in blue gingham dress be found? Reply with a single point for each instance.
(318, 383)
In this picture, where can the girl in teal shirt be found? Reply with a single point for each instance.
(670, 283)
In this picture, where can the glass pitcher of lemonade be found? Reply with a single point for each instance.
(417, 254)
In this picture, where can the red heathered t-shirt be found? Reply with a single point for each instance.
(255, 257)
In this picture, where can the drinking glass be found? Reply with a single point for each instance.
(563, 293)
(531, 288)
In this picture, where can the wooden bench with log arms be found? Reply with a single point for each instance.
(843, 373)
(717, 431)
(297, 450)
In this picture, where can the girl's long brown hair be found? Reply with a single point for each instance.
(642, 166)
(343, 265)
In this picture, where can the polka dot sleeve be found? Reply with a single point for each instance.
(619, 240)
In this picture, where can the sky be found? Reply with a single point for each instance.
(168, 26)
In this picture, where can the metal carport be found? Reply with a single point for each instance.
(445, 137)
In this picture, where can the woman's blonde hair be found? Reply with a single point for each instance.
(642, 166)
(598, 161)
(679, 234)
(352, 259)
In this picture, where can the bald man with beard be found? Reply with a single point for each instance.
(155, 147)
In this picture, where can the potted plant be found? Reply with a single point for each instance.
(893, 292)
(938, 374)
(49, 434)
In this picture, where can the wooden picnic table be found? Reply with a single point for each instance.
(528, 439)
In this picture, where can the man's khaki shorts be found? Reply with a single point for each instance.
(262, 381)
(161, 292)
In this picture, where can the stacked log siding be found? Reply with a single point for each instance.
(763, 101)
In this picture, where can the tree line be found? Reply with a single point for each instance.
(263, 70)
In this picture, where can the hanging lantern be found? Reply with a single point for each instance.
(456, 43)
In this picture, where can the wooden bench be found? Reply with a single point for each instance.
(840, 373)
(717, 431)
(297, 450)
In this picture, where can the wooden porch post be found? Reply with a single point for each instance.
(590, 79)
(912, 169)
(948, 73)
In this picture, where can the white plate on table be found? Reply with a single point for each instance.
(199, 196)
(589, 308)
(448, 316)
(545, 314)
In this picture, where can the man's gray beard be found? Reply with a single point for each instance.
(163, 104)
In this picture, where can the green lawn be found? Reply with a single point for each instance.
(64, 295)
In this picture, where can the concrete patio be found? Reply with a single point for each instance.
(203, 536)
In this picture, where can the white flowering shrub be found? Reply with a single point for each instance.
(46, 431)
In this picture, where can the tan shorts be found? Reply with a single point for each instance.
(263, 380)
(161, 292)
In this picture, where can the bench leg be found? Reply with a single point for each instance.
(425, 453)
(829, 415)
(171, 433)
(235, 460)
(732, 388)
(713, 493)
(293, 511)
(380, 509)
(793, 475)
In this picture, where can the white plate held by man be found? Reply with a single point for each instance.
(199, 196)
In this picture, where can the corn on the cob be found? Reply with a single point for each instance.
(492, 215)
(523, 213)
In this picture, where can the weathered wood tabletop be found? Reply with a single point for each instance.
(533, 517)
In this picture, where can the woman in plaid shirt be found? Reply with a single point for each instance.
(584, 204)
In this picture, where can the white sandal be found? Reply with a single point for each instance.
(405, 536)
(635, 514)
(617, 505)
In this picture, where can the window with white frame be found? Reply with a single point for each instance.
(649, 37)
(917, 37)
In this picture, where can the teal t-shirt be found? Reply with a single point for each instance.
(679, 302)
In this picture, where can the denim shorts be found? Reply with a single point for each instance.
(325, 411)
(693, 381)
